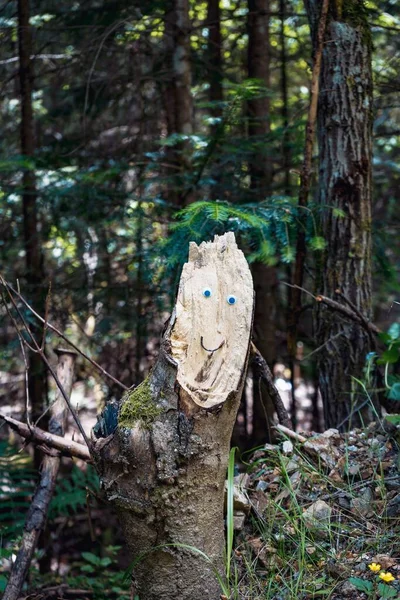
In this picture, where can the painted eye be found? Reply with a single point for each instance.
(231, 299)
(207, 292)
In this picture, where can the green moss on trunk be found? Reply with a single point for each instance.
(355, 14)
(139, 407)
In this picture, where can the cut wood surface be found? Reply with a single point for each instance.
(214, 310)
(164, 468)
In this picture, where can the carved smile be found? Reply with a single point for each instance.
(207, 349)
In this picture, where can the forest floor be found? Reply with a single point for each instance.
(322, 517)
(316, 516)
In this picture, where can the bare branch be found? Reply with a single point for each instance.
(14, 59)
(48, 365)
(9, 287)
(363, 320)
(341, 308)
(39, 436)
(26, 363)
(348, 312)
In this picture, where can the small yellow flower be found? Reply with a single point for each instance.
(374, 567)
(388, 577)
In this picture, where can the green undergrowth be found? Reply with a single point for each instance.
(17, 484)
(98, 575)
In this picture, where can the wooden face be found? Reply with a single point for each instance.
(214, 310)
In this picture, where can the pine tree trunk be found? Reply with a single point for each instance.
(214, 56)
(345, 164)
(265, 280)
(35, 277)
(178, 96)
(164, 467)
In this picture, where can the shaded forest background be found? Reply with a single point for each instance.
(157, 123)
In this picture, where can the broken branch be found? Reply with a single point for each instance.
(39, 436)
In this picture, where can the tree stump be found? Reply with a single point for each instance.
(164, 466)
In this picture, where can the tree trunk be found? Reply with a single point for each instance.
(178, 96)
(265, 280)
(164, 467)
(286, 151)
(214, 75)
(258, 108)
(345, 163)
(35, 277)
(214, 56)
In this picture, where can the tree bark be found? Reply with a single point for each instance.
(214, 56)
(265, 280)
(258, 60)
(178, 96)
(286, 151)
(164, 467)
(35, 276)
(345, 164)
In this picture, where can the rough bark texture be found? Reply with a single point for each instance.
(214, 66)
(286, 149)
(258, 108)
(178, 96)
(37, 514)
(165, 465)
(265, 280)
(345, 161)
(33, 254)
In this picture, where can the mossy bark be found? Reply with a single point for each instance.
(164, 467)
(344, 192)
(166, 481)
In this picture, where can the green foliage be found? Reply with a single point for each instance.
(17, 485)
(18, 482)
(71, 492)
(385, 591)
(362, 584)
(368, 587)
(390, 359)
(99, 574)
(267, 229)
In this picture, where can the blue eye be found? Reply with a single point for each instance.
(231, 299)
(207, 292)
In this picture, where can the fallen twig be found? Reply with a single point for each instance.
(291, 434)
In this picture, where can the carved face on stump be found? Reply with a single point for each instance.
(214, 309)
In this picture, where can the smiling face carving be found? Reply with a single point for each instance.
(214, 310)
